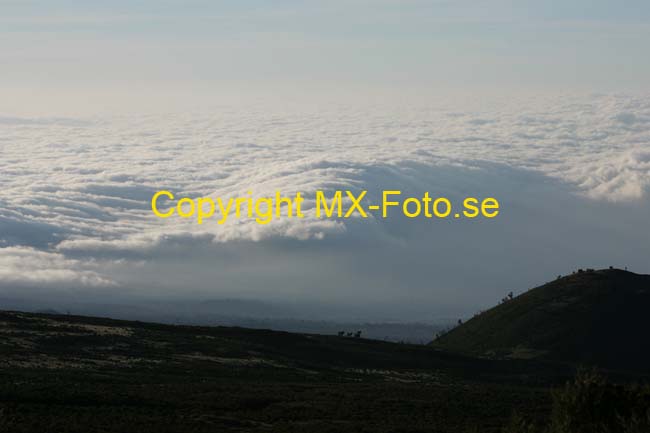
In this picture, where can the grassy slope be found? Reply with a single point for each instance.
(596, 318)
(79, 374)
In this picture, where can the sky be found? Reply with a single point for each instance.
(544, 105)
(81, 57)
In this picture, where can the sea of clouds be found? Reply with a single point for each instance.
(572, 173)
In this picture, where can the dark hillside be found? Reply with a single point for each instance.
(69, 374)
(599, 318)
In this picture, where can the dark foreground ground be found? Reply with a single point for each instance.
(77, 374)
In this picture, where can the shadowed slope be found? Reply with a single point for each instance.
(90, 375)
(595, 317)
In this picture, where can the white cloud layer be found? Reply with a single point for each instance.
(78, 190)
(24, 267)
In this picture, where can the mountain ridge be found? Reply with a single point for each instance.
(592, 317)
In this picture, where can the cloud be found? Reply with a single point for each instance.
(24, 267)
(74, 204)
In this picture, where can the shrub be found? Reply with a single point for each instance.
(590, 404)
(519, 424)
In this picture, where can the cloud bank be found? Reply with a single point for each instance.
(74, 204)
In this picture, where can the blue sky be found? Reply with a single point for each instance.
(253, 46)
